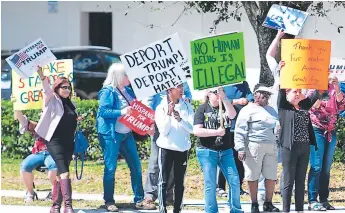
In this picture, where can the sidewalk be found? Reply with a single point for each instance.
(129, 199)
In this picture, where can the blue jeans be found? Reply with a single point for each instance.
(209, 160)
(320, 166)
(34, 160)
(125, 145)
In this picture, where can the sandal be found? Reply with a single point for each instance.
(110, 208)
(328, 206)
(316, 207)
(221, 193)
(28, 198)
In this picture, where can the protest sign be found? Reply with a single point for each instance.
(337, 68)
(25, 61)
(306, 64)
(218, 60)
(289, 19)
(140, 118)
(28, 93)
(157, 67)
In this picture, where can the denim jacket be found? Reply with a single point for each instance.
(155, 100)
(109, 109)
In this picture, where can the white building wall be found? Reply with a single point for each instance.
(23, 22)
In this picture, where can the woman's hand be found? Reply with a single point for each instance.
(280, 34)
(126, 111)
(334, 80)
(79, 118)
(40, 72)
(242, 156)
(281, 64)
(220, 132)
(171, 107)
(151, 131)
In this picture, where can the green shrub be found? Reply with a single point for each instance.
(14, 145)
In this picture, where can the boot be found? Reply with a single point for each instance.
(56, 198)
(66, 189)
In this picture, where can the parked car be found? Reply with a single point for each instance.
(90, 65)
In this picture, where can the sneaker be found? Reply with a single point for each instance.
(255, 208)
(146, 204)
(269, 207)
(328, 206)
(316, 207)
(29, 198)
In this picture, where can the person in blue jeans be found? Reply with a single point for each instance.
(215, 148)
(40, 156)
(114, 137)
(151, 185)
(324, 115)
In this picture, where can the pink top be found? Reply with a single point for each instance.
(325, 117)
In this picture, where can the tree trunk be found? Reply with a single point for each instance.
(256, 13)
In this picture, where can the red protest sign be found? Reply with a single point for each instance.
(140, 118)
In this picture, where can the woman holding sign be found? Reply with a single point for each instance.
(296, 136)
(114, 101)
(215, 148)
(57, 126)
(324, 116)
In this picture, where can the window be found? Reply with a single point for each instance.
(83, 60)
(110, 59)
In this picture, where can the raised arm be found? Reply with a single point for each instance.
(229, 108)
(187, 91)
(187, 123)
(272, 51)
(48, 92)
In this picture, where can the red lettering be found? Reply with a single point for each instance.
(22, 83)
(30, 96)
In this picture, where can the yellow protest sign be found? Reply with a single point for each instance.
(28, 93)
(306, 64)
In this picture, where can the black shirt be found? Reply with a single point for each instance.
(209, 118)
(68, 123)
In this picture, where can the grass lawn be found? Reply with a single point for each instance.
(93, 175)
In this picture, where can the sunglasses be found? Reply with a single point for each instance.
(66, 87)
(214, 92)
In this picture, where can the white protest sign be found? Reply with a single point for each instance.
(25, 61)
(157, 67)
(337, 67)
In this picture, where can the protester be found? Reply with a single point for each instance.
(151, 187)
(57, 126)
(255, 141)
(296, 136)
(342, 88)
(215, 149)
(40, 156)
(324, 116)
(174, 119)
(272, 58)
(240, 95)
(114, 137)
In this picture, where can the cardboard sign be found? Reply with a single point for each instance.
(337, 68)
(25, 61)
(140, 119)
(306, 64)
(157, 67)
(218, 60)
(28, 92)
(286, 18)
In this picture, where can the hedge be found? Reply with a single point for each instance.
(14, 145)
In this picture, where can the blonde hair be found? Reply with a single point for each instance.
(115, 76)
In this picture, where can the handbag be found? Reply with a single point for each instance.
(136, 136)
(80, 146)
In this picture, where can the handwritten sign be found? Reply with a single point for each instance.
(157, 67)
(218, 60)
(289, 19)
(140, 118)
(28, 93)
(306, 64)
(25, 61)
(337, 68)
